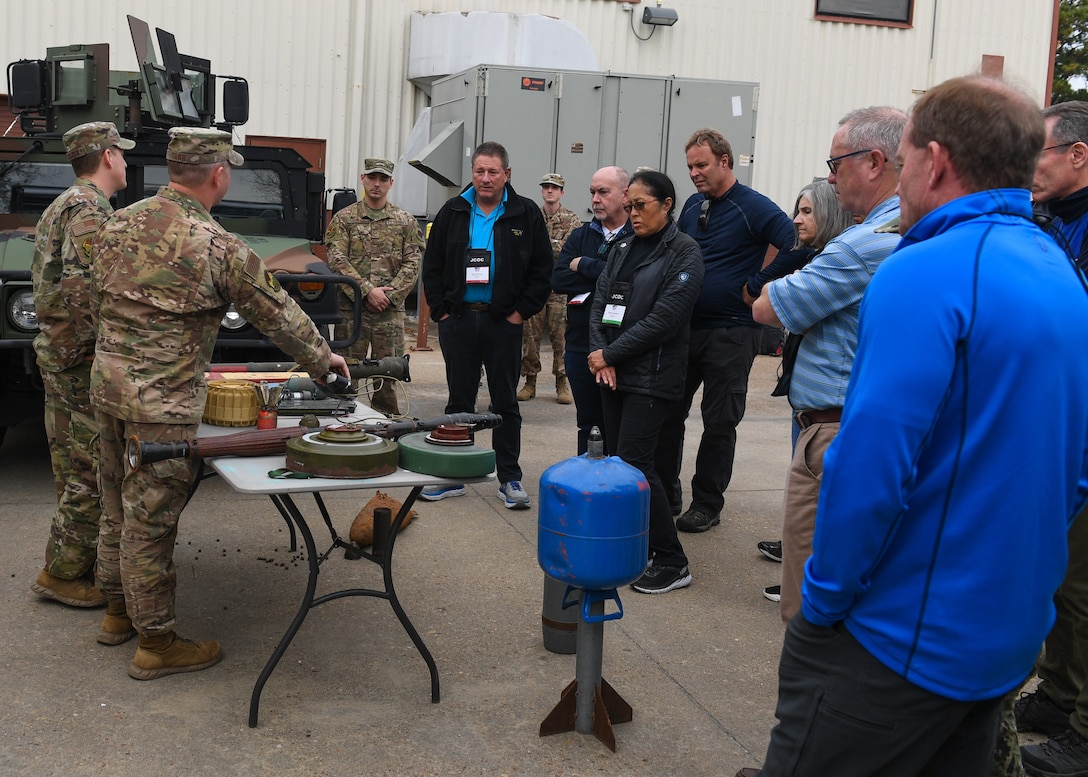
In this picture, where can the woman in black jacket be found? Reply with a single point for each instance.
(639, 328)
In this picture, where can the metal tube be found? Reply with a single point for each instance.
(587, 670)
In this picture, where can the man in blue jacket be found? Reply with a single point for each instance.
(960, 461)
(487, 269)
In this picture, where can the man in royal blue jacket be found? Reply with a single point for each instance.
(960, 461)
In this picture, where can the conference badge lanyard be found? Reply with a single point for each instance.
(478, 266)
(616, 305)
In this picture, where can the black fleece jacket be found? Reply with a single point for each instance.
(523, 259)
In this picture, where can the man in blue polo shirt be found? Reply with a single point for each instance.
(486, 270)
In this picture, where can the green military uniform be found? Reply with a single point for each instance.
(376, 248)
(165, 273)
(65, 348)
(554, 315)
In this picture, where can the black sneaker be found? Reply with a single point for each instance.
(1065, 755)
(1038, 712)
(694, 521)
(659, 580)
(773, 592)
(772, 549)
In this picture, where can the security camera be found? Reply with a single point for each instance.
(659, 16)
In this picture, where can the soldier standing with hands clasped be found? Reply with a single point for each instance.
(164, 273)
(560, 223)
(380, 246)
(65, 349)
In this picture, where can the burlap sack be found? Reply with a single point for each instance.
(362, 528)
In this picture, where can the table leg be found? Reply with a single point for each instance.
(390, 592)
(402, 616)
(286, 519)
(307, 601)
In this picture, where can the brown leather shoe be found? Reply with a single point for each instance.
(164, 654)
(748, 771)
(75, 593)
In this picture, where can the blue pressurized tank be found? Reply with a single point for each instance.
(594, 521)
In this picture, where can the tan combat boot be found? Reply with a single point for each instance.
(528, 391)
(562, 391)
(76, 593)
(164, 654)
(116, 625)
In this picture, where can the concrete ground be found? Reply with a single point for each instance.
(352, 696)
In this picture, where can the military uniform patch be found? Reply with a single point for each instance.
(87, 246)
(271, 282)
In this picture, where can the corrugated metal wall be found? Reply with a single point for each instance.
(335, 69)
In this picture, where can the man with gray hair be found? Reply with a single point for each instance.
(821, 301)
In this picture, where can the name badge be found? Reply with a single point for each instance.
(615, 305)
(478, 266)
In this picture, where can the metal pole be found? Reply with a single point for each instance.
(587, 672)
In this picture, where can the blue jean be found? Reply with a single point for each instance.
(469, 342)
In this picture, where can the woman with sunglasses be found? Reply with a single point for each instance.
(639, 327)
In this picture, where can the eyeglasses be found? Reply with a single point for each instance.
(1061, 145)
(704, 214)
(640, 206)
(833, 162)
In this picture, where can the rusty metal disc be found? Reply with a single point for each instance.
(342, 452)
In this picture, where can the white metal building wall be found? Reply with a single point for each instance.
(335, 69)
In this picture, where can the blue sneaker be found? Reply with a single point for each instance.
(436, 493)
(514, 496)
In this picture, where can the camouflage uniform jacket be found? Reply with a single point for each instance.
(62, 275)
(376, 248)
(560, 226)
(165, 273)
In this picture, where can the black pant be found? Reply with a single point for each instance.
(720, 360)
(632, 423)
(841, 712)
(587, 396)
(476, 340)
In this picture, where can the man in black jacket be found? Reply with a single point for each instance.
(487, 269)
(575, 274)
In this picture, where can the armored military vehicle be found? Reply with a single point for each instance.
(275, 204)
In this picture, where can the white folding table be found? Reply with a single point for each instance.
(249, 475)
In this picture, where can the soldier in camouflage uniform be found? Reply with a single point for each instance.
(65, 348)
(380, 246)
(560, 222)
(165, 272)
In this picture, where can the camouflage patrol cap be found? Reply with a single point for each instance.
(373, 165)
(93, 136)
(200, 146)
(553, 179)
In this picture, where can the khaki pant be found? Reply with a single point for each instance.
(799, 511)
